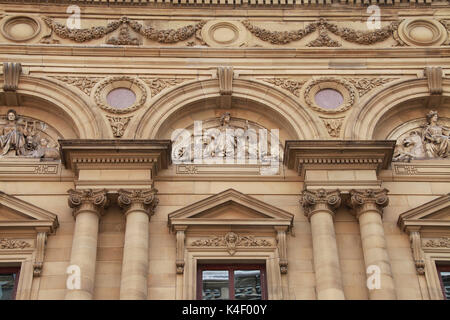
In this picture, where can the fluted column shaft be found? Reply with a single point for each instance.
(87, 207)
(138, 206)
(368, 205)
(319, 208)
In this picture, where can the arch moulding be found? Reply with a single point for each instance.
(298, 121)
(364, 119)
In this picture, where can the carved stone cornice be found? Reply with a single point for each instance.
(116, 154)
(313, 201)
(88, 200)
(139, 199)
(300, 155)
(368, 199)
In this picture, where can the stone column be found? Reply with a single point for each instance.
(319, 207)
(87, 207)
(138, 207)
(368, 205)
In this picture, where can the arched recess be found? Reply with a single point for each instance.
(58, 105)
(251, 96)
(380, 115)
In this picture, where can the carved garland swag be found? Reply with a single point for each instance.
(162, 36)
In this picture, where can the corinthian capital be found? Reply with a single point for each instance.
(328, 200)
(89, 199)
(368, 199)
(138, 199)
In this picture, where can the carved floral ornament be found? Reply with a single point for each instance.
(229, 33)
(231, 241)
(98, 32)
(6, 243)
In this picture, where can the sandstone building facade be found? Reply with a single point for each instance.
(225, 149)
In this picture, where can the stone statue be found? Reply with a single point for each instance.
(433, 141)
(223, 143)
(13, 135)
(436, 138)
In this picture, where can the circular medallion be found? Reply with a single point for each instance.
(422, 32)
(120, 94)
(221, 33)
(329, 95)
(20, 28)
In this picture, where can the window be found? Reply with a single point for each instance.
(9, 278)
(231, 282)
(444, 277)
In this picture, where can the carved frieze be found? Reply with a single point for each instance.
(98, 32)
(231, 241)
(85, 84)
(438, 243)
(364, 85)
(6, 243)
(293, 86)
(348, 34)
(156, 85)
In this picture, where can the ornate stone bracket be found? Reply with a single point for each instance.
(41, 240)
(416, 248)
(282, 248)
(11, 75)
(225, 76)
(434, 76)
(181, 241)
(131, 200)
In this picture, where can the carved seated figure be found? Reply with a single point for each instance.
(432, 142)
(436, 137)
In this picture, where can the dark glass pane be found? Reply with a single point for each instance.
(215, 285)
(7, 282)
(445, 275)
(247, 284)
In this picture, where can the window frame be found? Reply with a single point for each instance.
(15, 270)
(231, 267)
(442, 266)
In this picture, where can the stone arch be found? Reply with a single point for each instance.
(289, 113)
(378, 115)
(54, 102)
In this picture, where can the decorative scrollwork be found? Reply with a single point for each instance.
(13, 244)
(231, 240)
